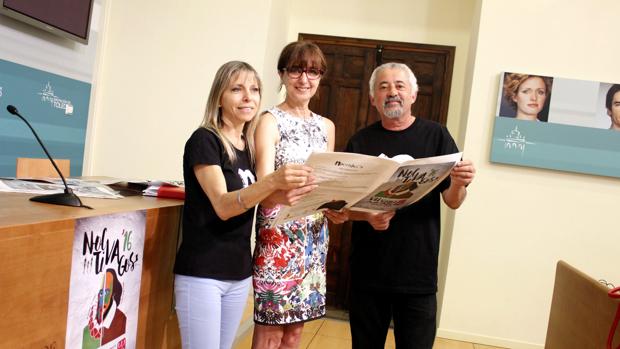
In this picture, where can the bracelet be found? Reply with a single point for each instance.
(240, 202)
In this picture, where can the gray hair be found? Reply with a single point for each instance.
(392, 65)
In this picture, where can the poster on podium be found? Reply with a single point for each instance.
(104, 292)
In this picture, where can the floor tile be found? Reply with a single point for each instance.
(442, 343)
(325, 342)
(306, 339)
(335, 329)
(389, 342)
(248, 312)
(245, 342)
(313, 326)
(335, 334)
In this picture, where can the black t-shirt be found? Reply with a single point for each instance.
(211, 247)
(404, 257)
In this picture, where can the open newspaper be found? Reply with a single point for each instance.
(81, 188)
(368, 183)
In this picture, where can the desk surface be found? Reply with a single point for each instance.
(17, 209)
(36, 244)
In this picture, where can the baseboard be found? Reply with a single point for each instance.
(492, 341)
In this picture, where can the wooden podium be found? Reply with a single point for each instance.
(36, 243)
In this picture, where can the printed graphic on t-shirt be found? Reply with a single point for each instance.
(246, 176)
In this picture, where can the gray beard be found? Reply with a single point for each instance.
(393, 113)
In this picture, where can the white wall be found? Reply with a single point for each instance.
(517, 221)
(277, 38)
(158, 62)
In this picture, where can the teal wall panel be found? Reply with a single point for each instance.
(556, 146)
(55, 106)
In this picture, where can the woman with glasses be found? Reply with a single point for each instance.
(289, 259)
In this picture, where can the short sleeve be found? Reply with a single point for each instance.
(448, 146)
(203, 148)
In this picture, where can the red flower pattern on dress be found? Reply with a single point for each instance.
(280, 262)
(271, 237)
(289, 268)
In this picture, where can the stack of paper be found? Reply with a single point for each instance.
(166, 189)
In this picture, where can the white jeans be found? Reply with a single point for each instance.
(209, 311)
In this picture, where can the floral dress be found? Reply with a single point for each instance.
(289, 259)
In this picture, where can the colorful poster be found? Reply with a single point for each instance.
(556, 123)
(106, 270)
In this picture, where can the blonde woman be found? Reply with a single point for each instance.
(213, 264)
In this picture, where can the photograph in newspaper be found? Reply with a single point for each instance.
(408, 185)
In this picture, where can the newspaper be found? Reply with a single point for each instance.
(368, 183)
(80, 187)
(133, 187)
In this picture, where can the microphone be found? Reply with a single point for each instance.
(68, 198)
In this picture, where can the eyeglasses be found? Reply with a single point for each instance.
(295, 72)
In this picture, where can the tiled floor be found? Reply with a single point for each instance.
(334, 334)
(330, 333)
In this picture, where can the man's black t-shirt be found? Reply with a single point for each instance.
(404, 257)
(211, 247)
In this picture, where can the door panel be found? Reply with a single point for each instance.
(342, 97)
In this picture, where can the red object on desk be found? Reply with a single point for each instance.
(614, 293)
(171, 192)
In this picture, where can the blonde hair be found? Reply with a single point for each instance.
(213, 114)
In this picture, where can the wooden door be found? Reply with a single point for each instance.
(343, 97)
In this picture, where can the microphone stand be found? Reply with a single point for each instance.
(67, 198)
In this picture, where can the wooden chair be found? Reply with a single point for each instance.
(582, 312)
(41, 168)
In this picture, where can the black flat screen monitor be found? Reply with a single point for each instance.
(66, 18)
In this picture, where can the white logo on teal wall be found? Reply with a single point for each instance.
(515, 141)
(0, 91)
(47, 95)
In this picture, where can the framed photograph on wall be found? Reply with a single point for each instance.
(557, 123)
